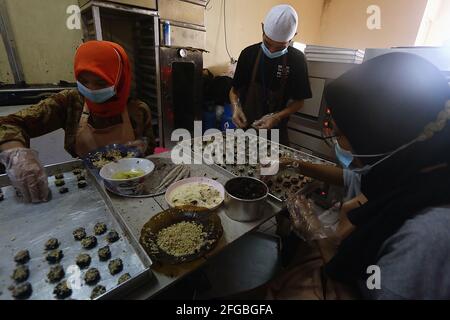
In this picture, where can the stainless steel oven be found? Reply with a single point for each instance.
(181, 89)
(305, 126)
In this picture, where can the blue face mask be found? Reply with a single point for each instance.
(344, 157)
(96, 96)
(273, 55)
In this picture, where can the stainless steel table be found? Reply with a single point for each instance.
(136, 212)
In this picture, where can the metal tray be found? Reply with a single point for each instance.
(245, 170)
(29, 226)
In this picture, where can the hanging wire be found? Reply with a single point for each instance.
(225, 30)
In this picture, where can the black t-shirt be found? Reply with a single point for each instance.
(297, 85)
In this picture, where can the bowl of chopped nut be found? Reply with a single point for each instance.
(181, 234)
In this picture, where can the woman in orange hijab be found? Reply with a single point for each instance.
(99, 113)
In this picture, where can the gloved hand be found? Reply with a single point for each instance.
(269, 121)
(239, 118)
(141, 144)
(275, 166)
(26, 173)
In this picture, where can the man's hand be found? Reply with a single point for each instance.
(269, 121)
(239, 118)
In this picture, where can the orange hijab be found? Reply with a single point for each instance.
(109, 61)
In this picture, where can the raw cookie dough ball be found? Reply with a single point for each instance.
(112, 236)
(22, 291)
(104, 253)
(97, 291)
(79, 234)
(63, 190)
(56, 273)
(21, 273)
(92, 276)
(82, 184)
(99, 228)
(83, 260)
(77, 171)
(287, 184)
(22, 257)
(59, 176)
(62, 291)
(123, 278)
(52, 244)
(89, 242)
(59, 182)
(115, 266)
(54, 256)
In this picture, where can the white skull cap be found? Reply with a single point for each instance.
(281, 23)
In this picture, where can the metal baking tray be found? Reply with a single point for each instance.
(29, 226)
(245, 170)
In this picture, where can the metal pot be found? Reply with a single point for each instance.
(244, 210)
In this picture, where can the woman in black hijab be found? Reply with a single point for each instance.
(391, 119)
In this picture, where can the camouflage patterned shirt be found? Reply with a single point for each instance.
(63, 110)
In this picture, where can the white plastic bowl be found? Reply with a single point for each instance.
(195, 180)
(132, 186)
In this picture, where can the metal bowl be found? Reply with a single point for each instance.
(244, 209)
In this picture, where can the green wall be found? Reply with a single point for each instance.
(45, 45)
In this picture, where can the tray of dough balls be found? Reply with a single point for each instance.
(282, 185)
(72, 247)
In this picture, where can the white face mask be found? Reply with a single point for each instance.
(346, 157)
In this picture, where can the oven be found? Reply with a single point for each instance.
(181, 89)
(305, 126)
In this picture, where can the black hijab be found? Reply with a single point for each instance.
(380, 106)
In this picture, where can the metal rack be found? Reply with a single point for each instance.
(137, 30)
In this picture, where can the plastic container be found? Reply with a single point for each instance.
(227, 118)
(166, 33)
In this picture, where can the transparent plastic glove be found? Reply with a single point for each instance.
(273, 167)
(305, 222)
(269, 121)
(26, 174)
(239, 118)
(141, 144)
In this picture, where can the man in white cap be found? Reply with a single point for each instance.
(271, 80)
